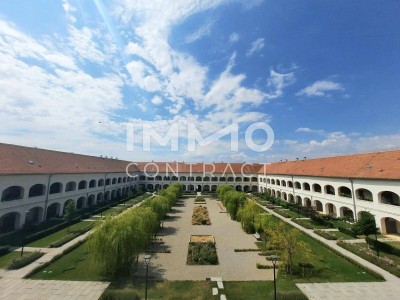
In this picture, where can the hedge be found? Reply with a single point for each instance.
(325, 235)
(348, 232)
(24, 261)
(4, 250)
(382, 246)
(302, 223)
(321, 221)
(282, 213)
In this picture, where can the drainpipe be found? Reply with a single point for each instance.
(47, 198)
(294, 193)
(354, 199)
(104, 193)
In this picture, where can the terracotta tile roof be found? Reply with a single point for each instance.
(187, 167)
(26, 160)
(375, 165)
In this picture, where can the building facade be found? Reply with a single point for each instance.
(36, 184)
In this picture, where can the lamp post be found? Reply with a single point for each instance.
(147, 261)
(26, 225)
(274, 259)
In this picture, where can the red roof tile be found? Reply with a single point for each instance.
(26, 160)
(375, 165)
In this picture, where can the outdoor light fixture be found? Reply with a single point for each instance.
(147, 259)
(274, 259)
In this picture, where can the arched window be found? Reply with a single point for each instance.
(119, 179)
(297, 185)
(388, 197)
(317, 188)
(37, 190)
(13, 193)
(238, 179)
(329, 190)
(278, 182)
(344, 192)
(253, 179)
(272, 181)
(268, 180)
(214, 179)
(114, 181)
(92, 183)
(191, 178)
(167, 178)
(206, 178)
(142, 177)
(174, 178)
(246, 179)
(70, 186)
(108, 181)
(306, 186)
(222, 179)
(364, 194)
(290, 184)
(231, 179)
(101, 182)
(55, 188)
(198, 178)
(159, 178)
(82, 185)
(283, 183)
(124, 180)
(182, 178)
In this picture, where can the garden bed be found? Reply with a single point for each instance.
(202, 253)
(200, 216)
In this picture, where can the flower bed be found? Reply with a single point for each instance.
(202, 254)
(200, 216)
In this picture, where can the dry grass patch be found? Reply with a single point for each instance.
(200, 216)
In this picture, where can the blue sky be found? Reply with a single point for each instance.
(323, 74)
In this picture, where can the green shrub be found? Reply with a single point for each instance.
(325, 235)
(302, 223)
(71, 236)
(202, 254)
(261, 266)
(282, 213)
(4, 250)
(24, 261)
(348, 232)
(382, 246)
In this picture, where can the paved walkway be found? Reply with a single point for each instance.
(233, 266)
(347, 290)
(13, 289)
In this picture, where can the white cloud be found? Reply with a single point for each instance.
(201, 32)
(156, 100)
(69, 10)
(256, 46)
(320, 88)
(81, 40)
(277, 82)
(309, 130)
(143, 76)
(234, 37)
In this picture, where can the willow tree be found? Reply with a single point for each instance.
(117, 241)
(233, 201)
(223, 188)
(247, 215)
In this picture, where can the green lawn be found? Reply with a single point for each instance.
(76, 265)
(5, 260)
(293, 214)
(47, 240)
(340, 223)
(313, 224)
(168, 290)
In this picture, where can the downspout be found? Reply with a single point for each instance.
(104, 196)
(47, 198)
(354, 199)
(294, 193)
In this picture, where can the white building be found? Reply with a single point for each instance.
(35, 184)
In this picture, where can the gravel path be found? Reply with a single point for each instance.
(233, 266)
